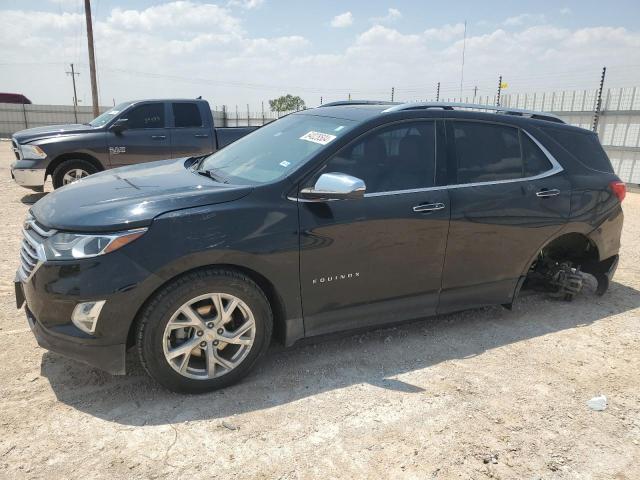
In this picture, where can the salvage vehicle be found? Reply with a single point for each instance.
(342, 217)
(130, 133)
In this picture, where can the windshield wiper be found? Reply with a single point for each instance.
(213, 174)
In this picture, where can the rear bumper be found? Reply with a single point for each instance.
(28, 177)
(110, 358)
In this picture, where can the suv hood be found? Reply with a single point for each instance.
(131, 197)
(38, 133)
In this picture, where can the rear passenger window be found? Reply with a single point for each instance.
(535, 161)
(486, 152)
(584, 147)
(399, 157)
(186, 115)
(150, 115)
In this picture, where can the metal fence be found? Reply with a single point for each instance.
(618, 126)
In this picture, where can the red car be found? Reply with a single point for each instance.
(14, 98)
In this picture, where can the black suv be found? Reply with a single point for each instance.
(346, 216)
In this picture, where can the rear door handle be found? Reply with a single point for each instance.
(428, 207)
(201, 135)
(158, 137)
(553, 192)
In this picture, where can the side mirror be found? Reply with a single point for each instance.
(119, 125)
(334, 186)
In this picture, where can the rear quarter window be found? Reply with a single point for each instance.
(584, 147)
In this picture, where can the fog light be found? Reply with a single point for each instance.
(85, 315)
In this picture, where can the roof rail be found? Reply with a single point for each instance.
(358, 102)
(471, 106)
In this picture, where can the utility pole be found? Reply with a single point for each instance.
(320, 99)
(475, 92)
(499, 90)
(92, 58)
(75, 95)
(393, 91)
(464, 49)
(596, 113)
(438, 93)
(349, 97)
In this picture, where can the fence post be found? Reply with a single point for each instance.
(24, 113)
(596, 113)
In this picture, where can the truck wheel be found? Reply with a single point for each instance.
(204, 331)
(71, 171)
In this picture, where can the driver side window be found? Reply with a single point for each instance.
(150, 115)
(398, 157)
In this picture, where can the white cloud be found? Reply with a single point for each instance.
(524, 18)
(246, 4)
(392, 15)
(343, 20)
(186, 49)
(565, 11)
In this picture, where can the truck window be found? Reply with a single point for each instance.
(150, 115)
(487, 152)
(399, 157)
(186, 115)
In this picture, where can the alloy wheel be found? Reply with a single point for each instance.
(209, 336)
(74, 175)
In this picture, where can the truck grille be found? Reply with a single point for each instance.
(16, 149)
(31, 251)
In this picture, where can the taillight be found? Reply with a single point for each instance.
(619, 189)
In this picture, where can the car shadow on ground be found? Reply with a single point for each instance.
(287, 375)
(31, 198)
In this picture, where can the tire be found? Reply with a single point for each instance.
(58, 176)
(156, 341)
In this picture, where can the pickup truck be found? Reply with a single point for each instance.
(129, 133)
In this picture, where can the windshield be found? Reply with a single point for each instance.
(107, 116)
(276, 149)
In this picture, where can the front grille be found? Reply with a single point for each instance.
(31, 251)
(16, 149)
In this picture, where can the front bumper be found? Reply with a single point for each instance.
(53, 290)
(110, 358)
(28, 177)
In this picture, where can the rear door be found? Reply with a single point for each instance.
(377, 259)
(508, 196)
(190, 131)
(146, 138)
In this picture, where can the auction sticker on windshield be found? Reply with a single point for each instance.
(318, 137)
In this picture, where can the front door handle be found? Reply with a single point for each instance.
(428, 207)
(158, 137)
(553, 192)
(201, 135)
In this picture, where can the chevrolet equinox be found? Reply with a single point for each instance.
(351, 215)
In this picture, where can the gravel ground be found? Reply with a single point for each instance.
(483, 393)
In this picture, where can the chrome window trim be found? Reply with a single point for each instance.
(555, 169)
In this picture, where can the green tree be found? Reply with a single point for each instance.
(286, 103)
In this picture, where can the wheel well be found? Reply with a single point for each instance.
(276, 303)
(574, 247)
(73, 156)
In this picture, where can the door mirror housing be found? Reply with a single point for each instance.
(335, 186)
(119, 125)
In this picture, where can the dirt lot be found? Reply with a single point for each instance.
(484, 393)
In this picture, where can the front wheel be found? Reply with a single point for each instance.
(204, 331)
(71, 171)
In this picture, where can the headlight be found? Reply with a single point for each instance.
(67, 246)
(33, 152)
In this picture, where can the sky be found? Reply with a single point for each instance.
(245, 52)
